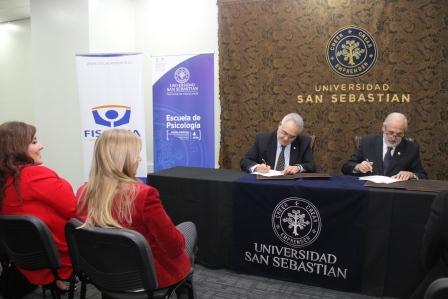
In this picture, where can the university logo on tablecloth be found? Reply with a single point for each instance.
(296, 222)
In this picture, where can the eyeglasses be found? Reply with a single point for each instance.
(285, 134)
(394, 134)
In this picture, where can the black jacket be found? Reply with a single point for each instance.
(406, 157)
(265, 147)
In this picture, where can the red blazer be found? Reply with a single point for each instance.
(166, 241)
(47, 196)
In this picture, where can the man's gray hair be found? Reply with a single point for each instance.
(295, 118)
(395, 115)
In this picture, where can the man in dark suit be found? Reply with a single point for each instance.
(435, 244)
(389, 154)
(284, 149)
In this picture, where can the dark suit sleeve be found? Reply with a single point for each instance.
(253, 155)
(416, 165)
(356, 158)
(433, 238)
(307, 161)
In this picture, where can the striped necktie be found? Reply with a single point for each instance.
(387, 160)
(281, 160)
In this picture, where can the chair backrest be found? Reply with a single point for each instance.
(313, 142)
(438, 289)
(29, 243)
(357, 140)
(114, 260)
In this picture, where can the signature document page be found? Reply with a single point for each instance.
(379, 179)
(270, 173)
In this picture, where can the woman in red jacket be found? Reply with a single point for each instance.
(113, 197)
(27, 188)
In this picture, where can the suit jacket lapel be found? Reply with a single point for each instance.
(379, 155)
(399, 150)
(271, 150)
(294, 154)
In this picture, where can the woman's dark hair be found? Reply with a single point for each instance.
(14, 140)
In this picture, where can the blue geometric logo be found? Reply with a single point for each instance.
(111, 115)
(351, 52)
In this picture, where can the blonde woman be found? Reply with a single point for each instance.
(113, 197)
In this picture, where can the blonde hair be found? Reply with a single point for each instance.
(112, 187)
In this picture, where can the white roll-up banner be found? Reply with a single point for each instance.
(111, 96)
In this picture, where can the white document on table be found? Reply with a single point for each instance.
(379, 179)
(270, 173)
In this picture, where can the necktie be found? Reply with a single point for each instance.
(387, 160)
(281, 159)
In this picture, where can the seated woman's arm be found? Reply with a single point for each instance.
(45, 185)
(159, 224)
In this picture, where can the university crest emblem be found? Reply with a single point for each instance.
(296, 222)
(351, 52)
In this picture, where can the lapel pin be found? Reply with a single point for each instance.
(398, 153)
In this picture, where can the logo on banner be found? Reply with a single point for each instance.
(111, 115)
(182, 75)
(296, 222)
(351, 52)
(182, 87)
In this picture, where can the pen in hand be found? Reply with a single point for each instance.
(264, 167)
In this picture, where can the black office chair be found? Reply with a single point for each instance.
(29, 244)
(118, 262)
(357, 141)
(312, 143)
(438, 289)
(12, 283)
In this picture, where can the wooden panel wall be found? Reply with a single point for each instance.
(273, 58)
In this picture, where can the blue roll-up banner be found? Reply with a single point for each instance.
(183, 103)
